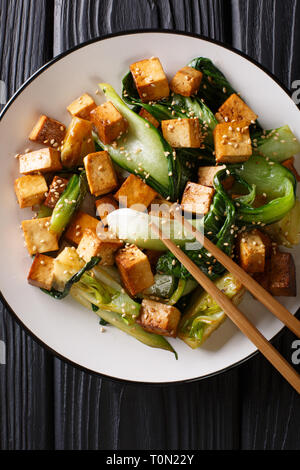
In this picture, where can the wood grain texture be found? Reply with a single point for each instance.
(26, 380)
(46, 403)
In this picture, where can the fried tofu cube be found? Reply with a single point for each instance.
(48, 131)
(30, 190)
(148, 116)
(186, 81)
(38, 237)
(82, 106)
(78, 225)
(135, 269)
(135, 192)
(206, 176)
(159, 318)
(109, 122)
(41, 273)
(282, 280)
(100, 173)
(150, 79)
(105, 205)
(182, 132)
(66, 264)
(160, 207)
(78, 142)
(56, 189)
(219, 117)
(197, 198)
(91, 245)
(252, 252)
(235, 109)
(40, 161)
(289, 164)
(232, 142)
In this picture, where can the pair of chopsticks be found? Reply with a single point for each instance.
(240, 320)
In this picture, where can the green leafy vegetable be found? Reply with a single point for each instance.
(276, 144)
(271, 179)
(69, 202)
(287, 230)
(202, 315)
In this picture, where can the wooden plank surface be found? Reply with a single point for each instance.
(26, 380)
(45, 402)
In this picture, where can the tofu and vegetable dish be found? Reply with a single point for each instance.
(97, 182)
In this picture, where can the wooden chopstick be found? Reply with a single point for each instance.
(253, 286)
(234, 314)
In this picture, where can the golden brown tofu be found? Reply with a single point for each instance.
(30, 190)
(159, 318)
(82, 106)
(232, 142)
(41, 273)
(150, 79)
(91, 245)
(134, 191)
(197, 198)
(160, 207)
(186, 81)
(135, 269)
(100, 173)
(105, 205)
(235, 109)
(48, 131)
(219, 117)
(109, 122)
(38, 237)
(40, 161)
(282, 280)
(56, 189)
(148, 116)
(206, 174)
(78, 142)
(79, 224)
(182, 132)
(289, 164)
(252, 252)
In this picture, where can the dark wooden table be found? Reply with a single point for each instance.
(44, 402)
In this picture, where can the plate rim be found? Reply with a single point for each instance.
(8, 105)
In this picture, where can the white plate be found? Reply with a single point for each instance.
(64, 326)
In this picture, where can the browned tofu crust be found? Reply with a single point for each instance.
(56, 189)
(186, 81)
(109, 122)
(134, 191)
(40, 161)
(150, 79)
(48, 131)
(80, 222)
(135, 269)
(184, 133)
(232, 142)
(82, 106)
(38, 237)
(41, 273)
(197, 198)
(252, 252)
(235, 109)
(282, 281)
(91, 245)
(100, 173)
(30, 190)
(159, 318)
(148, 116)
